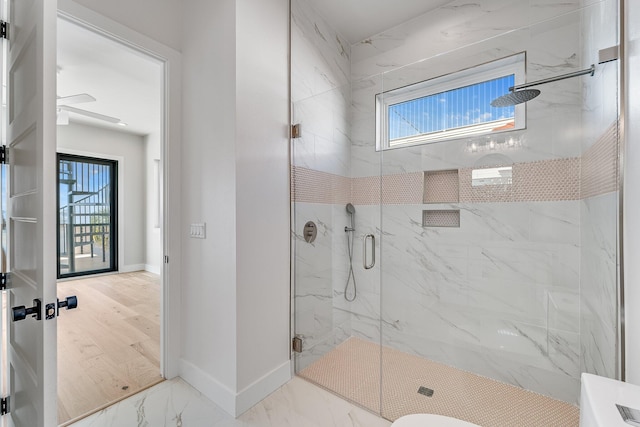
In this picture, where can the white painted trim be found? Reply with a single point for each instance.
(121, 204)
(263, 387)
(218, 393)
(152, 269)
(131, 268)
(232, 403)
(170, 141)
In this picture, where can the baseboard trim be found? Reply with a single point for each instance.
(131, 268)
(218, 393)
(152, 269)
(232, 403)
(263, 387)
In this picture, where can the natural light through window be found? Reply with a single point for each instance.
(450, 107)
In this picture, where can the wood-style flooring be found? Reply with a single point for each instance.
(109, 347)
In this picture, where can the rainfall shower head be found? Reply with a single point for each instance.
(517, 97)
(351, 209)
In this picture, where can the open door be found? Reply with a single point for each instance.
(31, 212)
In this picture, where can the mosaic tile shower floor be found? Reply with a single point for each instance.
(353, 370)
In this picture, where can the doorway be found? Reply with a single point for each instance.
(110, 140)
(87, 212)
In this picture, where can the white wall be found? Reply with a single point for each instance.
(153, 180)
(99, 142)
(158, 19)
(631, 191)
(209, 195)
(262, 192)
(235, 287)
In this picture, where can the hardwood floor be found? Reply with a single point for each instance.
(109, 347)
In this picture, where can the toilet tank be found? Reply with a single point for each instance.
(598, 399)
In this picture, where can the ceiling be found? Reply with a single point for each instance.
(125, 83)
(358, 20)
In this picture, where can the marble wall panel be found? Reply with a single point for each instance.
(459, 23)
(599, 257)
(598, 286)
(493, 285)
(553, 119)
(320, 55)
(318, 266)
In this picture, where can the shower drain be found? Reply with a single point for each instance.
(425, 391)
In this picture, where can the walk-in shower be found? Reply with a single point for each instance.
(494, 229)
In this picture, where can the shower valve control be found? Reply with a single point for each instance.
(310, 232)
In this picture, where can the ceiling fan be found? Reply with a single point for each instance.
(63, 106)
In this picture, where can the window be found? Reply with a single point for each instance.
(450, 107)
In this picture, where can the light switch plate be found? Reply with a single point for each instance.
(198, 231)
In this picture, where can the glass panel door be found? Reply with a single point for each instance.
(86, 215)
(498, 249)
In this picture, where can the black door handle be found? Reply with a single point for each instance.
(21, 312)
(69, 302)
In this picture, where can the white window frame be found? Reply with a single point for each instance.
(514, 64)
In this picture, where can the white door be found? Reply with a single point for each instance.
(31, 138)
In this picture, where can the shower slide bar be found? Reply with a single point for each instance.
(364, 251)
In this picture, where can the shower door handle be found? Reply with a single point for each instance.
(364, 251)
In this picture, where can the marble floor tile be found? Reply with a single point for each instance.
(175, 403)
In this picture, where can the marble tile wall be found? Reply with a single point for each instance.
(552, 48)
(459, 23)
(491, 296)
(599, 214)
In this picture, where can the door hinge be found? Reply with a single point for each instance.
(4, 30)
(4, 279)
(4, 154)
(296, 344)
(4, 405)
(296, 131)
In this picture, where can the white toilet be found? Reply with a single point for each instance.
(430, 420)
(598, 399)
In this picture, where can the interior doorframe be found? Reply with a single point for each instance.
(170, 164)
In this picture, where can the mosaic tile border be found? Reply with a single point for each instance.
(599, 173)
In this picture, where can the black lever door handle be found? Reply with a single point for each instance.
(69, 302)
(21, 312)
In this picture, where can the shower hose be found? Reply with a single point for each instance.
(351, 276)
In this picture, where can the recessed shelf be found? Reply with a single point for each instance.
(441, 186)
(441, 218)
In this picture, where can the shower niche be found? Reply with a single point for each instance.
(441, 187)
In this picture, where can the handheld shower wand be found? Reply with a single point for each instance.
(351, 210)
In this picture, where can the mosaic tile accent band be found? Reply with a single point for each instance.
(600, 165)
(311, 186)
(547, 180)
(593, 174)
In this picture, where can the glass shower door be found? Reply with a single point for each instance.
(335, 211)
(492, 277)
